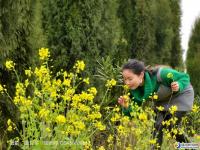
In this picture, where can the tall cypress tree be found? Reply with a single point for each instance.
(163, 30)
(37, 37)
(126, 13)
(144, 39)
(81, 30)
(176, 51)
(14, 32)
(193, 55)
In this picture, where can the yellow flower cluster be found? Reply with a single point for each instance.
(52, 97)
(115, 117)
(44, 53)
(42, 73)
(154, 96)
(11, 125)
(86, 80)
(100, 126)
(60, 119)
(84, 108)
(111, 83)
(10, 65)
(67, 82)
(160, 108)
(94, 116)
(92, 91)
(143, 117)
(170, 75)
(153, 141)
(43, 113)
(173, 109)
(28, 72)
(1, 88)
(195, 108)
(79, 66)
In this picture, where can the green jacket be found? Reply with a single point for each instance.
(151, 85)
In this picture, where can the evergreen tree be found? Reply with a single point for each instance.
(193, 55)
(37, 37)
(81, 30)
(126, 13)
(176, 51)
(144, 39)
(163, 30)
(15, 27)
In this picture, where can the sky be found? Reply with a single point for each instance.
(190, 11)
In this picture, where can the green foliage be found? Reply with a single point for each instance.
(176, 51)
(126, 13)
(193, 56)
(163, 31)
(37, 37)
(144, 40)
(83, 29)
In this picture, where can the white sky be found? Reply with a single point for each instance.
(190, 11)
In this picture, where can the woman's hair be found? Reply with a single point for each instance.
(138, 66)
(135, 66)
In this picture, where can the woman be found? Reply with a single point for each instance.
(172, 87)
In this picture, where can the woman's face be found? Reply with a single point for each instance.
(131, 79)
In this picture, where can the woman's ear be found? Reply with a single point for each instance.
(142, 74)
(141, 77)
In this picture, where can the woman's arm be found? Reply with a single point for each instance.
(169, 76)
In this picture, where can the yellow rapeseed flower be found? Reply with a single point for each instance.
(96, 107)
(174, 120)
(9, 122)
(110, 138)
(155, 96)
(94, 115)
(10, 64)
(173, 109)
(28, 73)
(126, 100)
(121, 129)
(92, 91)
(86, 80)
(170, 75)
(60, 119)
(100, 126)
(48, 129)
(111, 83)
(175, 131)
(1, 88)
(79, 124)
(143, 116)
(168, 135)
(101, 148)
(116, 117)
(44, 53)
(84, 108)
(10, 128)
(195, 108)
(43, 113)
(67, 82)
(160, 108)
(153, 141)
(79, 66)
(126, 87)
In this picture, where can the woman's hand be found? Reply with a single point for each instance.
(175, 86)
(123, 101)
